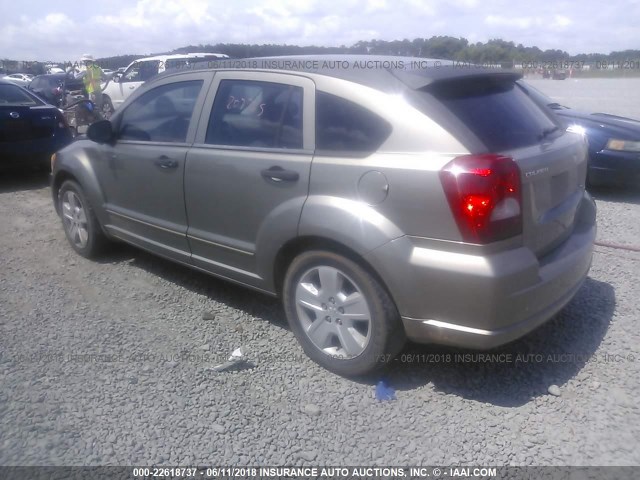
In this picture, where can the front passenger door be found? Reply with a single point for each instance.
(142, 173)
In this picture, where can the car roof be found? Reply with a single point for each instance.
(49, 75)
(382, 72)
(181, 55)
(9, 82)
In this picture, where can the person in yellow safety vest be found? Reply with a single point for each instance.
(92, 80)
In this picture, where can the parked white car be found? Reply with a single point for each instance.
(139, 71)
(54, 69)
(20, 79)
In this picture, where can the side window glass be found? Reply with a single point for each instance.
(149, 70)
(132, 74)
(256, 114)
(343, 126)
(162, 114)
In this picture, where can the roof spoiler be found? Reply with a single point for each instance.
(419, 79)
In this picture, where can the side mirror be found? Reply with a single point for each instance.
(115, 78)
(100, 131)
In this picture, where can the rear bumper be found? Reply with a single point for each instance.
(33, 152)
(484, 300)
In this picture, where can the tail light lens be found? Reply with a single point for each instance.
(485, 196)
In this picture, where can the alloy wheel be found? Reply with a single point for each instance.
(333, 312)
(74, 218)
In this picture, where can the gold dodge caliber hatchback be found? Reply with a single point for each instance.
(440, 205)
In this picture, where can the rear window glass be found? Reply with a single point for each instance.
(343, 126)
(499, 113)
(44, 82)
(13, 95)
(54, 81)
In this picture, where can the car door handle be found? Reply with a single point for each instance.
(279, 174)
(165, 162)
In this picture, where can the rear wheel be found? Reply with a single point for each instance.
(341, 315)
(79, 221)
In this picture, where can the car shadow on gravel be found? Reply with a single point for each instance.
(240, 298)
(21, 180)
(509, 376)
(514, 374)
(617, 195)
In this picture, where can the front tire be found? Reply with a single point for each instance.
(79, 221)
(341, 315)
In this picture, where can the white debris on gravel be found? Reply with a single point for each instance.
(104, 362)
(555, 390)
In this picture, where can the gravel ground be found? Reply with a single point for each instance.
(148, 396)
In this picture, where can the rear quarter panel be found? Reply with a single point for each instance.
(409, 160)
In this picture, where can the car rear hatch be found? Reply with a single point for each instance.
(553, 176)
(490, 114)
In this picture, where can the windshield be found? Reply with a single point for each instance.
(14, 95)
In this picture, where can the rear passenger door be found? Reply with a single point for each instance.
(247, 175)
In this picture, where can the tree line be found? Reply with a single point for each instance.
(441, 47)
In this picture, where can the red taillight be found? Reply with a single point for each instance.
(485, 196)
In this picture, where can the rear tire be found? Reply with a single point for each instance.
(80, 224)
(341, 315)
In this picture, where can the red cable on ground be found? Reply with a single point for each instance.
(618, 247)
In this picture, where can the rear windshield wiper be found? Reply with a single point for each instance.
(556, 106)
(548, 131)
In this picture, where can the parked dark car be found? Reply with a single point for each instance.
(51, 87)
(30, 129)
(614, 142)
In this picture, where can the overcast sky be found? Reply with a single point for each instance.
(65, 29)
